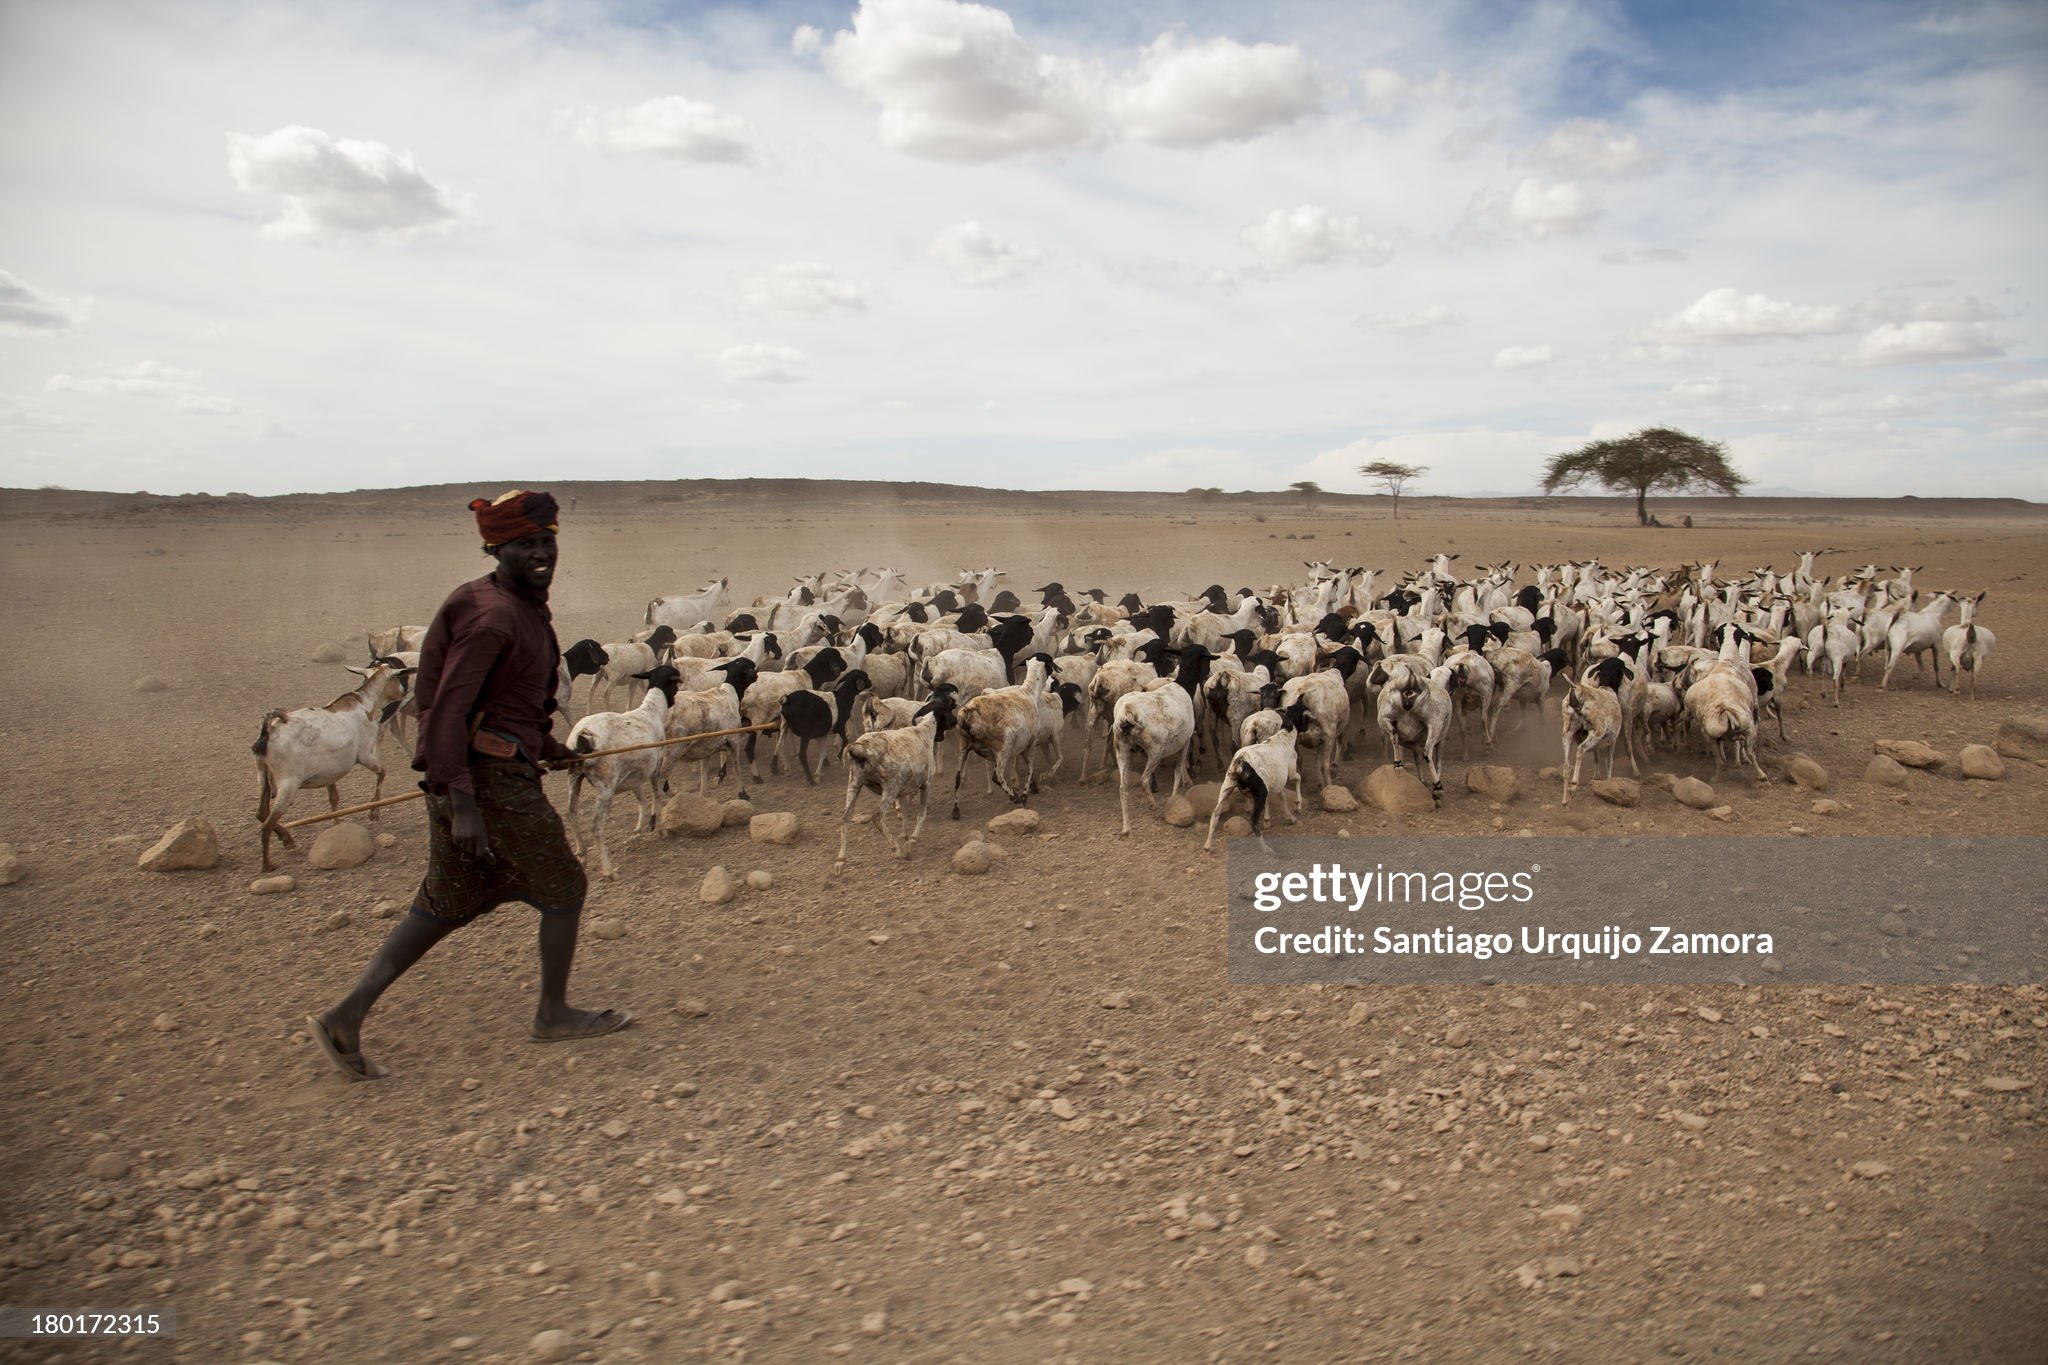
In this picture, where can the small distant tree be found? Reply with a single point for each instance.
(1309, 490)
(1205, 494)
(1393, 477)
(1655, 457)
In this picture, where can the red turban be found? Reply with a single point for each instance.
(512, 515)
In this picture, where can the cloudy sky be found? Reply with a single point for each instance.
(272, 247)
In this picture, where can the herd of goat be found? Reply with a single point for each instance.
(1256, 687)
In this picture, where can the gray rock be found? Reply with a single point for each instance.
(777, 827)
(1616, 791)
(342, 845)
(107, 1166)
(1912, 753)
(1202, 797)
(2024, 736)
(1179, 812)
(1693, 793)
(330, 653)
(609, 929)
(1338, 800)
(272, 886)
(1891, 926)
(1492, 781)
(971, 859)
(189, 844)
(11, 869)
(1884, 771)
(1019, 821)
(1825, 806)
(717, 888)
(738, 812)
(1395, 791)
(1807, 773)
(1237, 827)
(761, 879)
(1982, 762)
(150, 682)
(692, 816)
(553, 1344)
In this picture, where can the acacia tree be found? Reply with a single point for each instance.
(1655, 457)
(1309, 490)
(1393, 477)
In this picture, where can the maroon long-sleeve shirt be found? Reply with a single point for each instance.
(491, 647)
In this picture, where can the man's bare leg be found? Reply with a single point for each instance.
(553, 1019)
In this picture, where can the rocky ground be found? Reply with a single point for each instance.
(902, 1113)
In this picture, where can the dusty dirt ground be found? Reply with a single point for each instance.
(849, 1140)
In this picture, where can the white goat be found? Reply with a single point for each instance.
(1004, 726)
(1415, 714)
(646, 723)
(683, 610)
(1158, 722)
(1967, 645)
(1722, 706)
(1593, 719)
(1917, 633)
(317, 746)
(893, 763)
(1328, 711)
(1263, 769)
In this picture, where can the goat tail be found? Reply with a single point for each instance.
(649, 620)
(1716, 723)
(1247, 777)
(262, 744)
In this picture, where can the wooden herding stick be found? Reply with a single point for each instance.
(403, 797)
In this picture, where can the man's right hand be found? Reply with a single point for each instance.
(466, 825)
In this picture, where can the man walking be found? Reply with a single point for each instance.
(486, 695)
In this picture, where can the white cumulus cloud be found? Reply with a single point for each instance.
(1187, 95)
(144, 379)
(1707, 391)
(1523, 357)
(1312, 235)
(208, 405)
(976, 255)
(803, 287)
(670, 125)
(1911, 343)
(1729, 315)
(763, 362)
(1386, 91)
(339, 187)
(24, 308)
(1590, 146)
(956, 83)
(1534, 208)
(1416, 321)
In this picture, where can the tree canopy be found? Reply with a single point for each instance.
(1393, 477)
(1646, 460)
(1308, 488)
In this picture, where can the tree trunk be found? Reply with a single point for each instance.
(1397, 507)
(1642, 514)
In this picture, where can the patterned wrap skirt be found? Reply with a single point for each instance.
(530, 859)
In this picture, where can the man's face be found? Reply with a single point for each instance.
(530, 560)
